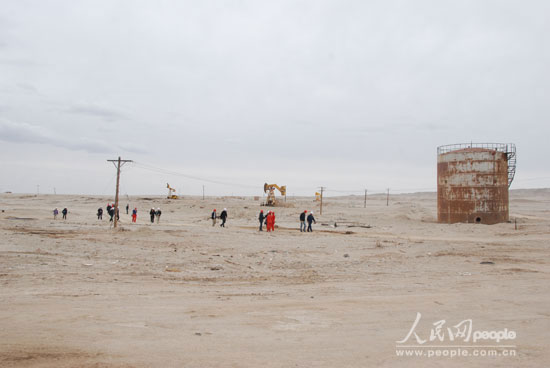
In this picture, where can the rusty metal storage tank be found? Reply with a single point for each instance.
(473, 181)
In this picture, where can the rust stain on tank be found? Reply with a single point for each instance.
(472, 184)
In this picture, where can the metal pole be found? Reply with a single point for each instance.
(118, 163)
(365, 198)
(321, 206)
(203, 192)
(116, 194)
(388, 198)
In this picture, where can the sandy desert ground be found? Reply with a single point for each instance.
(182, 293)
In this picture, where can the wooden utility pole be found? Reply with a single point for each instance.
(365, 198)
(388, 198)
(118, 164)
(321, 206)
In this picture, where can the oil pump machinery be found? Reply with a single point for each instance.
(270, 190)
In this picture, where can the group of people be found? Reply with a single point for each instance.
(64, 213)
(265, 219)
(111, 211)
(309, 218)
(269, 221)
(223, 216)
(155, 214)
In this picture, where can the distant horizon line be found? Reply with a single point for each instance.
(378, 193)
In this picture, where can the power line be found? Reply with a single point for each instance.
(380, 191)
(104, 189)
(157, 169)
(343, 191)
(192, 177)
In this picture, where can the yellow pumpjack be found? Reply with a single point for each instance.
(270, 190)
(171, 192)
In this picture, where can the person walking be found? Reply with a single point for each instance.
(111, 212)
(152, 214)
(214, 216)
(261, 217)
(158, 213)
(134, 215)
(127, 207)
(310, 219)
(303, 221)
(223, 216)
(55, 213)
(64, 212)
(100, 213)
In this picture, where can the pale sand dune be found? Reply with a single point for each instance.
(181, 293)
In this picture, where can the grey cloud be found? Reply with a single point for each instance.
(132, 149)
(23, 133)
(393, 128)
(17, 132)
(304, 123)
(29, 88)
(20, 63)
(97, 111)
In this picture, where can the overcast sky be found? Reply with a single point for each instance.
(344, 94)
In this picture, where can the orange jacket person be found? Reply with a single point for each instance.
(268, 221)
(134, 215)
(272, 221)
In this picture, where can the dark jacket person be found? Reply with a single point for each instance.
(310, 219)
(223, 216)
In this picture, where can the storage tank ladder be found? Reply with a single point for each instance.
(511, 154)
